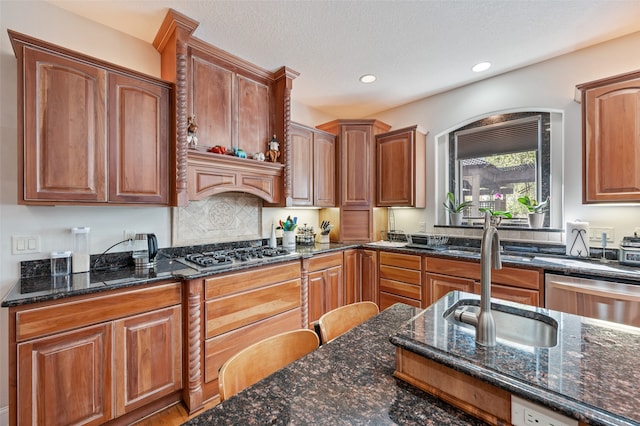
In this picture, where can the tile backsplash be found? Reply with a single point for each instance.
(217, 219)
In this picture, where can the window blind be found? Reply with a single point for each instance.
(501, 138)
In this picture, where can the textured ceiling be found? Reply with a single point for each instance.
(416, 48)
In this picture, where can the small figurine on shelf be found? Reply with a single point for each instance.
(274, 150)
(258, 156)
(192, 128)
(239, 152)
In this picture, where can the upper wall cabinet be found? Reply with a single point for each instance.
(611, 140)
(400, 171)
(89, 132)
(313, 170)
(236, 105)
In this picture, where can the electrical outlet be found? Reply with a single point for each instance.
(422, 227)
(525, 413)
(595, 233)
(128, 235)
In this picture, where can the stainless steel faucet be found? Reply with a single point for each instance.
(490, 251)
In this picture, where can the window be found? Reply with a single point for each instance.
(496, 160)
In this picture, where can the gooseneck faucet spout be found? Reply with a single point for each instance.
(490, 252)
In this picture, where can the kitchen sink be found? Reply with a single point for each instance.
(514, 325)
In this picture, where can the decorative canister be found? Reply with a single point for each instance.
(289, 240)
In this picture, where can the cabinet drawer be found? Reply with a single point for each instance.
(387, 299)
(240, 309)
(401, 260)
(94, 309)
(399, 274)
(400, 288)
(318, 263)
(222, 347)
(222, 285)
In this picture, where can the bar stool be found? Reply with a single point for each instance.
(340, 320)
(263, 358)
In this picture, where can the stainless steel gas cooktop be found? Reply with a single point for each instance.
(212, 260)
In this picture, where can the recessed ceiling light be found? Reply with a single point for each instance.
(482, 66)
(368, 78)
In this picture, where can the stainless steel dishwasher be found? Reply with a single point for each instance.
(594, 298)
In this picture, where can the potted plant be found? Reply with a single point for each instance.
(455, 208)
(497, 215)
(536, 210)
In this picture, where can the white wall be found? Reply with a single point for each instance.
(548, 85)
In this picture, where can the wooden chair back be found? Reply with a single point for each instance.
(342, 319)
(263, 358)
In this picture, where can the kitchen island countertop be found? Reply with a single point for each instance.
(345, 382)
(590, 375)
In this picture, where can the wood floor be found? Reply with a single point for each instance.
(174, 415)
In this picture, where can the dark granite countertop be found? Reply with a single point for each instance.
(33, 289)
(589, 267)
(348, 381)
(591, 374)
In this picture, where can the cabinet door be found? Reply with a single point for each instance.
(148, 357)
(66, 379)
(334, 288)
(64, 129)
(395, 169)
(438, 285)
(324, 167)
(253, 125)
(369, 275)
(611, 172)
(138, 141)
(352, 275)
(514, 294)
(210, 98)
(356, 153)
(302, 162)
(317, 301)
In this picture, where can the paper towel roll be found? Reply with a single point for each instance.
(577, 239)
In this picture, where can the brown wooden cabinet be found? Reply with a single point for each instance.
(87, 360)
(230, 311)
(326, 284)
(509, 283)
(313, 171)
(400, 279)
(90, 132)
(355, 141)
(401, 168)
(610, 139)
(361, 275)
(236, 104)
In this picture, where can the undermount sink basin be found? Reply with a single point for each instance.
(515, 325)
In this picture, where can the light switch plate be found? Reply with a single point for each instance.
(25, 244)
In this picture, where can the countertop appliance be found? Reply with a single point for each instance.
(594, 298)
(145, 249)
(630, 250)
(212, 260)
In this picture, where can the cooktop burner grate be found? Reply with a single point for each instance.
(214, 259)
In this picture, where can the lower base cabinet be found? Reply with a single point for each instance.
(514, 284)
(360, 276)
(230, 311)
(400, 279)
(90, 360)
(325, 284)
